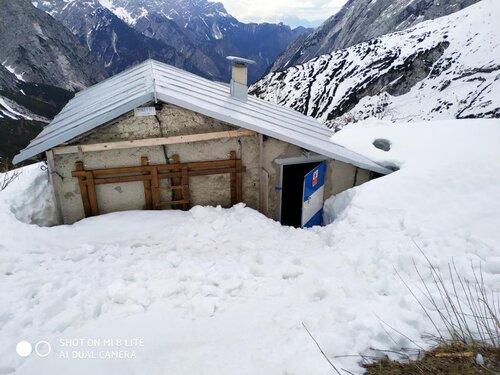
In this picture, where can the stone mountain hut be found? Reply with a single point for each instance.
(156, 137)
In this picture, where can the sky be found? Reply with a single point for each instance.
(310, 13)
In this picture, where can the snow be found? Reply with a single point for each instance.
(119, 11)
(12, 70)
(9, 111)
(226, 291)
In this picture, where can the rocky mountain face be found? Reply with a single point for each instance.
(25, 108)
(444, 68)
(37, 49)
(41, 64)
(117, 46)
(362, 20)
(110, 40)
(195, 35)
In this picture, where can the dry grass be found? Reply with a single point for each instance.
(444, 360)
(466, 319)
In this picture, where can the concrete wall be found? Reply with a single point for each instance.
(207, 190)
(342, 176)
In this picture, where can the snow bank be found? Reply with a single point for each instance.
(448, 178)
(214, 291)
(30, 197)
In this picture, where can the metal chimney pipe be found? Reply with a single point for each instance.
(239, 77)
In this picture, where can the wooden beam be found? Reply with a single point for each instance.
(232, 177)
(94, 208)
(192, 166)
(239, 181)
(156, 189)
(176, 194)
(152, 142)
(148, 198)
(83, 190)
(185, 191)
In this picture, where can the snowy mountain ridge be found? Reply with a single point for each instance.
(444, 68)
(362, 20)
(195, 35)
(131, 11)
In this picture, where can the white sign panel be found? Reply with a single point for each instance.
(144, 111)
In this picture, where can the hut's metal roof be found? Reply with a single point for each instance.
(152, 80)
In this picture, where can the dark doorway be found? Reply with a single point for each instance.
(292, 192)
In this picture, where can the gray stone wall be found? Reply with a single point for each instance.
(207, 190)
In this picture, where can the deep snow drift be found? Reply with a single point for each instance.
(214, 291)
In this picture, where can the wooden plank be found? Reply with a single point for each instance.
(233, 187)
(120, 170)
(153, 141)
(147, 185)
(163, 176)
(161, 168)
(176, 181)
(117, 180)
(155, 189)
(239, 182)
(185, 190)
(94, 208)
(83, 190)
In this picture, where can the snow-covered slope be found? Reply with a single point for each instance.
(444, 68)
(361, 20)
(224, 292)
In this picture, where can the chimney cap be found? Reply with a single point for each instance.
(240, 60)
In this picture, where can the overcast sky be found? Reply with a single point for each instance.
(291, 12)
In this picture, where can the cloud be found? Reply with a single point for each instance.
(312, 11)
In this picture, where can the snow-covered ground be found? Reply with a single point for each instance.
(214, 291)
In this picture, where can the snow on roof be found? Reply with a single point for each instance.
(152, 80)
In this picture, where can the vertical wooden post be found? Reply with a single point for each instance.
(239, 182)
(156, 189)
(83, 190)
(176, 181)
(89, 177)
(147, 185)
(233, 178)
(185, 188)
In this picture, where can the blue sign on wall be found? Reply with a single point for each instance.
(314, 191)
